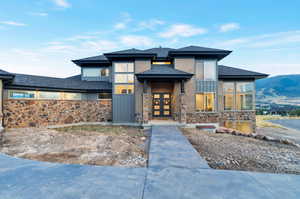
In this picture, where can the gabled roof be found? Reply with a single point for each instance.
(73, 83)
(226, 72)
(163, 72)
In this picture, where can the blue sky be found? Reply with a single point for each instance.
(42, 36)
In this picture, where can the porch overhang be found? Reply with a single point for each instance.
(164, 72)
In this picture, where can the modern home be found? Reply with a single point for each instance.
(184, 85)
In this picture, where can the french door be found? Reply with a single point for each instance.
(161, 104)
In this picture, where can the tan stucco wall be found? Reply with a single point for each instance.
(140, 66)
(188, 65)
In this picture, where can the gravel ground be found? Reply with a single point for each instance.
(92, 145)
(224, 151)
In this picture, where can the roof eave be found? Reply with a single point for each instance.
(255, 77)
(219, 54)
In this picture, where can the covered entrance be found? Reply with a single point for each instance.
(163, 93)
(161, 105)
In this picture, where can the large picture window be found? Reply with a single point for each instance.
(228, 90)
(244, 95)
(124, 78)
(95, 72)
(205, 102)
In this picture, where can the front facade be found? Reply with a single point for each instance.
(186, 85)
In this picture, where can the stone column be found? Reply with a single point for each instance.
(183, 108)
(146, 107)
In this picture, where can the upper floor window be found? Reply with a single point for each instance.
(124, 78)
(95, 72)
(162, 62)
(124, 67)
(206, 70)
(209, 70)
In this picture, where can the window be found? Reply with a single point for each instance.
(205, 102)
(228, 90)
(124, 67)
(21, 94)
(209, 70)
(104, 72)
(43, 95)
(95, 72)
(124, 78)
(206, 70)
(104, 96)
(244, 95)
(48, 95)
(161, 62)
(124, 89)
(72, 96)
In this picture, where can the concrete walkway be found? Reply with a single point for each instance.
(187, 176)
(175, 171)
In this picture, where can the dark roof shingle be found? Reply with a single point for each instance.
(163, 71)
(231, 72)
(71, 83)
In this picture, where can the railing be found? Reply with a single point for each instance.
(206, 86)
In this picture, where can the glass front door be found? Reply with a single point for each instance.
(161, 104)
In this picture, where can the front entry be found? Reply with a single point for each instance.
(161, 104)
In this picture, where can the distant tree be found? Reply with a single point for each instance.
(295, 112)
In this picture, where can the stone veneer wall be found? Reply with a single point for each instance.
(221, 117)
(35, 113)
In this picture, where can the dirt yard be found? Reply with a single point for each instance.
(224, 151)
(92, 145)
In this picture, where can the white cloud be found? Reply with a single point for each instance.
(100, 45)
(136, 40)
(278, 39)
(182, 30)
(81, 37)
(62, 3)
(40, 14)
(12, 23)
(120, 26)
(229, 27)
(125, 19)
(150, 24)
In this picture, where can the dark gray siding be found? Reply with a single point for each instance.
(123, 108)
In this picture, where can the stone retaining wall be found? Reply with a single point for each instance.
(222, 117)
(34, 113)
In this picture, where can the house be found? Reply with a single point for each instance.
(186, 85)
